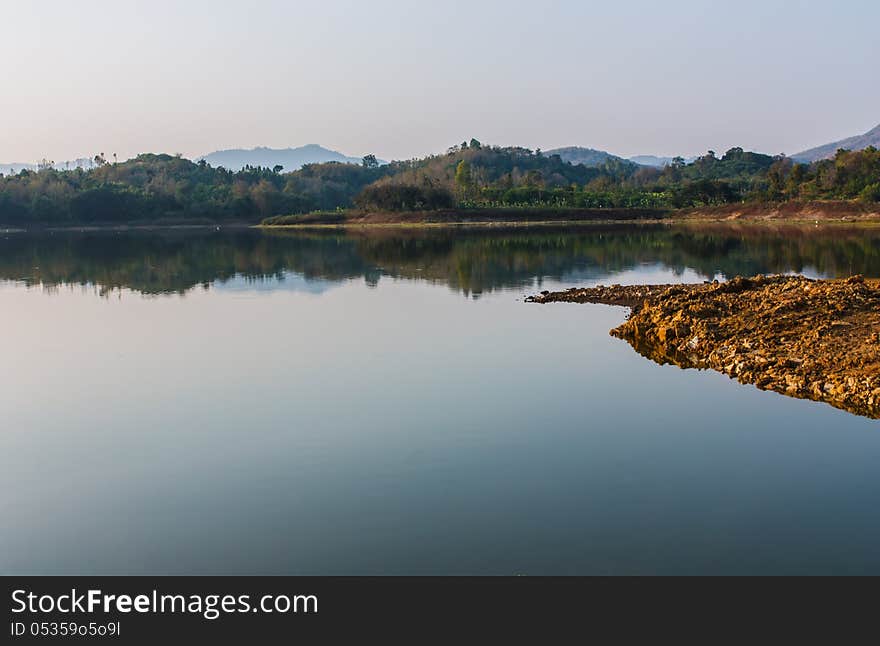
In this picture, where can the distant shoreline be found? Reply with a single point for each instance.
(140, 226)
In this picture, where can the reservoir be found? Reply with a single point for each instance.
(382, 401)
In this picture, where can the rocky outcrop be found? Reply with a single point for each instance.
(632, 296)
(803, 338)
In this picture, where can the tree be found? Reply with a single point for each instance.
(871, 193)
(733, 153)
(776, 176)
(795, 179)
(370, 161)
(463, 177)
(277, 168)
(535, 178)
(475, 145)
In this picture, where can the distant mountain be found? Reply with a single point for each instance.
(236, 159)
(290, 158)
(657, 162)
(870, 138)
(82, 162)
(6, 169)
(589, 157)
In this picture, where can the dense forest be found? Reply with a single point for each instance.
(169, 188)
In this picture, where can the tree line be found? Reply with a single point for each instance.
(468, 176)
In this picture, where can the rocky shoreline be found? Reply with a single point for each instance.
(811, 339)
(632, 296)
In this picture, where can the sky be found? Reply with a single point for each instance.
(402, 79)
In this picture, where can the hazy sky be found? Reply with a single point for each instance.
(405, 78)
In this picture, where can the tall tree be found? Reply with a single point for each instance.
(463, 177)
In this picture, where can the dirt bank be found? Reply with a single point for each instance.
(839, 211)
(803, 338)
(822, 211)
(468, 216)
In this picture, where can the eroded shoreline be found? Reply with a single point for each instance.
(811, 339)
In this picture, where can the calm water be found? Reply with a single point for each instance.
(237, 402)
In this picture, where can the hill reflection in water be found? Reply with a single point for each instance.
(471, 261)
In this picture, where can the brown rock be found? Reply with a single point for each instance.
(804, 338)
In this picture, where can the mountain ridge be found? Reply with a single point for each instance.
(290, 158)
(826, 151)
(656, 161)
(6, 169)
(592, 157)
(589, 157)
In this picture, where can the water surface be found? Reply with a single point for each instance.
(240, 402)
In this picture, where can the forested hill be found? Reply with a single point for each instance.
(165, 188)
(170, 188)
